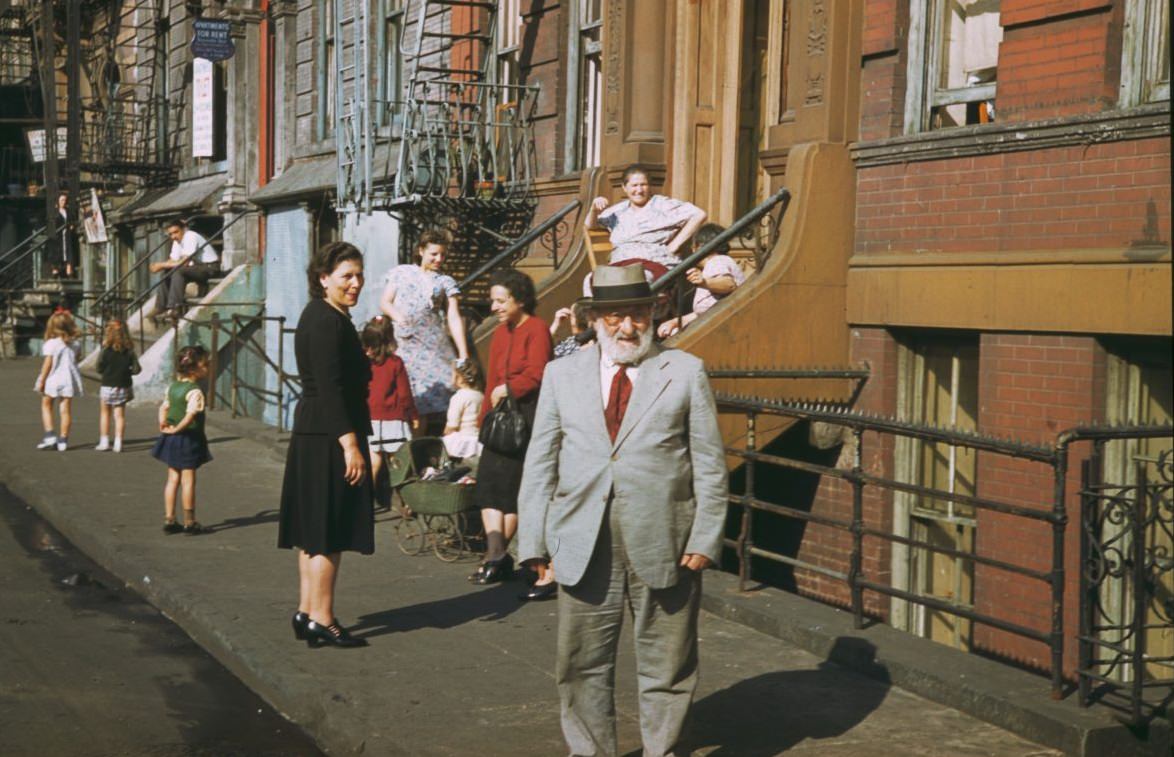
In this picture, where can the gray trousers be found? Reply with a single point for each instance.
(665, 624)
(171, 292)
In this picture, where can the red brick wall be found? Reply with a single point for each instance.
(1101, 195)
(1031, 387)
(1058, 58)
(831, 547)
(882, 80)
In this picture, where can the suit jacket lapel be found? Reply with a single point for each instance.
(649, 385)
(592, 403)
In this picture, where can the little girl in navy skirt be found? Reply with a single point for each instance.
(182, 446)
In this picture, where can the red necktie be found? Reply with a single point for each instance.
(617, 401)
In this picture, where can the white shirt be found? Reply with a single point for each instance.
(190, 242)
(607, 372)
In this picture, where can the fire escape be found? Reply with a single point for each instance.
(457, 151)
(121, 113)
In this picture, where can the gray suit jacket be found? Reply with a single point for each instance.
(667, 468)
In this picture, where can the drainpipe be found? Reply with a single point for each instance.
(265, 118)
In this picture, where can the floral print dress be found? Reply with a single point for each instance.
(645, 232)
(421, 297)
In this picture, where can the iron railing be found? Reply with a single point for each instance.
(856, 426)
(20, 265)
(235, 337)
(548, 231)
(1126, 636)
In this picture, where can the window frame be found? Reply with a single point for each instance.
(327, 70)
(582, 148)
(922, 94)
(1141, 81)
(390, 68)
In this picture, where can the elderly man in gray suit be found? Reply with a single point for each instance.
(625, 491)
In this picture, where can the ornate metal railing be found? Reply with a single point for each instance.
(859, 430)
(1126, 649)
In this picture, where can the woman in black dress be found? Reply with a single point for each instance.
(326, 497)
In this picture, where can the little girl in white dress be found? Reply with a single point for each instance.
(460, 428)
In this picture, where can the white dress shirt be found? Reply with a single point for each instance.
(190, 242)
(607, 372)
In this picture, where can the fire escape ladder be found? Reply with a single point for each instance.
(352, 105)
(464, 135)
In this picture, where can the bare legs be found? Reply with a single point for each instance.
(64, 409)
(104, 413)
(317, 575)
(119, 424)
(177, 480)
(499, 530)
(376, 485)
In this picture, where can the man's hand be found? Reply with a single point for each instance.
(695, 562)
(157, 267)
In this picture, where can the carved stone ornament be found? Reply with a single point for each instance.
(615, 39)
(817, 29)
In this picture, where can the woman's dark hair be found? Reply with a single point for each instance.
(378, 337)
(519, 285)
(708, 233)
(632, 170)
(323, 262)
(432, 236)
(189, 357)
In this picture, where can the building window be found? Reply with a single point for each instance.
(585, 86)
(509, 40)
(1145, 60)
(327, 69)
(953, 63)
(391, 83)
(938, 387)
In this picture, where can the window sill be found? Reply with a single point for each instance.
(1142, 122)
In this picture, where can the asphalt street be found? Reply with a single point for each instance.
(88, 668)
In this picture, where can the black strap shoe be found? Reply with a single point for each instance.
(333, 635)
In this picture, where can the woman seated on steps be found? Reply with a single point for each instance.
(715, 278)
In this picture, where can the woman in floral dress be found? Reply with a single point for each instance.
(645, 226)
(424, 305)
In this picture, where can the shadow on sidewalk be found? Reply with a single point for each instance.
(770, 713)
(261, 517)
(483, 605)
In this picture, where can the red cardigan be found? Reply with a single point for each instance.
(389, 395)
(528, 348)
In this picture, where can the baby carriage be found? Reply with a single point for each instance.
(434, 511)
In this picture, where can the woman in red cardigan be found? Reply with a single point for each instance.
(518, 355)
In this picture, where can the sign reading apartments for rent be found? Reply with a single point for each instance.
(201, 108)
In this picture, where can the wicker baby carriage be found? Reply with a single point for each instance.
(432, 513)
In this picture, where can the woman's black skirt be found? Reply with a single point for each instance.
(500, 476)
(320, 512)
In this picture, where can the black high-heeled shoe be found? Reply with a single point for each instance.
(495, 571)
(299, 621)
(333, 635)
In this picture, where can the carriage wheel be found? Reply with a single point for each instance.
(448, 540)
(410, 536)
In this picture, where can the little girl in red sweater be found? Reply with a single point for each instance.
(389, 395)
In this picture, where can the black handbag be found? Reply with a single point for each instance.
(505, 430)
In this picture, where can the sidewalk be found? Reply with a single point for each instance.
(452, 669)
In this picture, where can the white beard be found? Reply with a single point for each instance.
(622, 351)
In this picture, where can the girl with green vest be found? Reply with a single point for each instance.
(182, 446)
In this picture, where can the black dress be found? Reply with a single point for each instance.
(320, 512)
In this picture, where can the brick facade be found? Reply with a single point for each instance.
(1059, 69)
